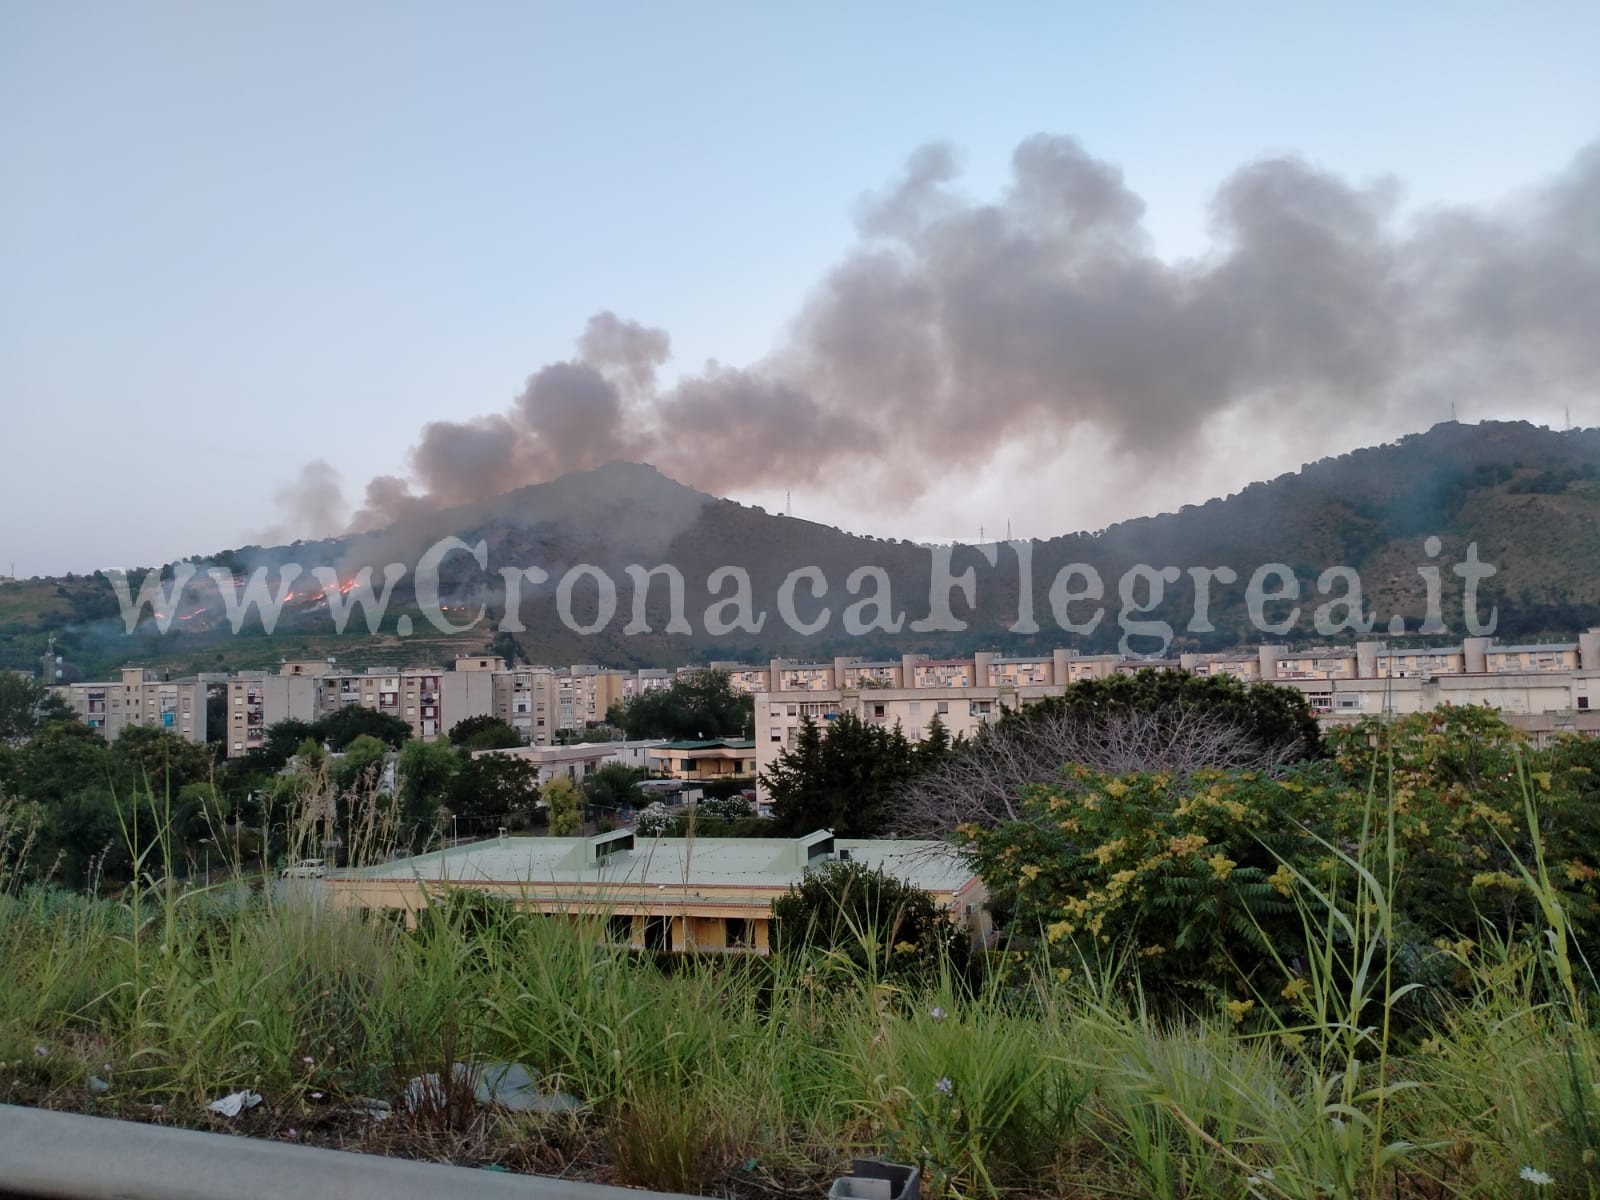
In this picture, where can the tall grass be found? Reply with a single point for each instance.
(746, 1076)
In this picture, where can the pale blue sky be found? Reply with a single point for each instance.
(237, 236)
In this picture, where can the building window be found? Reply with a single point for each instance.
(738, 934)
(944, 707)
(658, 933)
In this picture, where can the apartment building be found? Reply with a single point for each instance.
(742, 678)
(140, 697)
(258, 699)
(585, 693)
(1544, 689)
(651, 679)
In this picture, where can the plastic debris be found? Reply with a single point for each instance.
(96, 1084)
(513, 1086)
(232, 1106)
(509, 1085)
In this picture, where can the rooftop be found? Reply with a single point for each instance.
(675, 862)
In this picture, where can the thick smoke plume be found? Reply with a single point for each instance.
(954, 328)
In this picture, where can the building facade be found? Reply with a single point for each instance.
(708, 895)
(140, 697)
(1543, 689)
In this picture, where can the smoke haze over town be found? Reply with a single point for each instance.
(912, 296)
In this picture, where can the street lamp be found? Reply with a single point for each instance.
(206, 842)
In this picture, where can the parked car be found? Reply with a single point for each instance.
(306, 868)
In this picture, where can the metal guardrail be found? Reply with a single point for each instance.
(64, 1156)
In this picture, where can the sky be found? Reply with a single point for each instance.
(236, 238)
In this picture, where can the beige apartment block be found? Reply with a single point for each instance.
(743, 678)
(652, 679)
(257, 700)
(413, 694)
(526, 699)
(140, 697)
(585, 693)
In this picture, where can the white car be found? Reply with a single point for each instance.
(306, 868)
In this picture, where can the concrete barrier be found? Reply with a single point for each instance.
(63, 1156)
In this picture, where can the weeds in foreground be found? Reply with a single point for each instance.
(751, 1076)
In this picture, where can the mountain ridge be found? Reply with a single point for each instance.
(1529, 498)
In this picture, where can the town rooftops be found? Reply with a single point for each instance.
(709, 744)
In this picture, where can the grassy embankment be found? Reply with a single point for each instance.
(764, 1077)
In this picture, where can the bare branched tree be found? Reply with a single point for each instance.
(983, 784)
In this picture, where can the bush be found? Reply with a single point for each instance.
(1185, 877)
(876, 922)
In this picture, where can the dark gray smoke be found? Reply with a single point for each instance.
(955, 328)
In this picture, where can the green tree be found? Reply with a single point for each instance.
(426, 774)
(343, 726)
(64, 758)
(361, 766)
(883, 925)
(493, 786)
(846, 780)
(701, 704)
(484, 733)
(160, 760)
(1463, 782)
(565, 802)
(1275, 717)
(281, 743)
(614, 786)
(1182, 875)
(936, 747)
(26, 706)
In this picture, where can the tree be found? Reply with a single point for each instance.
(936, 747)
(1278, 718)
(1465, 784)
(62, 759)
(846, 780)
(726, 808)
(565, 802)
(361, 767)
(614, 786)
(697, 705)
(883, 925)
(426, 775)
(160, 760)
(493, 785)
(342, 726)
(26, 706)
(794, 781)
(484, 733)
(982, 781)
(281, 743)
(654, 820)
(1182, 875)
